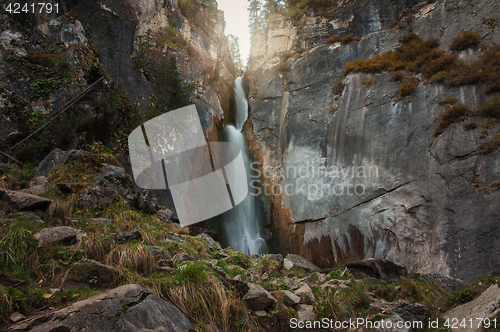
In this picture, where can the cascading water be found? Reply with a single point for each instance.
(242, 226)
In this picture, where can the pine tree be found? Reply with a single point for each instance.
(254, 8)
(234, 48)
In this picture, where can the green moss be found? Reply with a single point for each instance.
(338, 88)
(469, 126)
(83, 272)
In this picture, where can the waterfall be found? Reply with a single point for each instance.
(242, 225)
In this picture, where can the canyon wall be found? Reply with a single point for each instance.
(359, 174)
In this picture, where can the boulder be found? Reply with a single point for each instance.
(447, 283)
(211, 243)
(277, 257)
(95, 197)
(165, 215)
(37, 185)
(30, 216)
(292, 260)
(407, 311)
(258, 298)
(289, 298)
(64, 235)
(305, 312)
(122, 238)
(16, 317)
(146, 201)
(69, 188)
(306, 294)
(377, 268)
(115, 179)
(24, 201)
(55, 158)
(487, 305)
(126, 308)
(182, 257)
(174, 238)
(87, 268)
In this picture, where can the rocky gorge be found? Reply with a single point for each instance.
(422, 199)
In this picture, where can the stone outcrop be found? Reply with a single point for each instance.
(378, 268)
(59, 235)
(353, 175)
(487, 305)
(126, 308)
(25, 201)
(292, 260)
(258, 298)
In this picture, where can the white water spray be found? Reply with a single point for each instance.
(242, 224)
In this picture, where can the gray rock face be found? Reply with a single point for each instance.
(292, 260)
(487, 305)
(378, 268)
(257, 298)
(126, 308)
(24, 201)
(364, 181)
(59, 235)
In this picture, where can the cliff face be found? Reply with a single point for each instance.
(357, 173)
(127, 41)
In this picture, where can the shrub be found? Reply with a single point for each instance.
(469, 126)
(399, 75)
(491, 109)
(283, 67)
(448, 100)
(491, 146)
(490, 21)
(333, 39)
(466, 40)
(334, 109)
(338, 88)
(136, 258)
(408, 85)
(453, 114)
(368, 81)
(348, 38)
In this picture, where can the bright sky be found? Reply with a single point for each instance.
(236, 16)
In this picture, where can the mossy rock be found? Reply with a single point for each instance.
(83, 272)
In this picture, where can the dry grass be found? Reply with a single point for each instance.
(62, 210)
(136, 258)
(203, 298)
(97, 246)
(491, 146)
